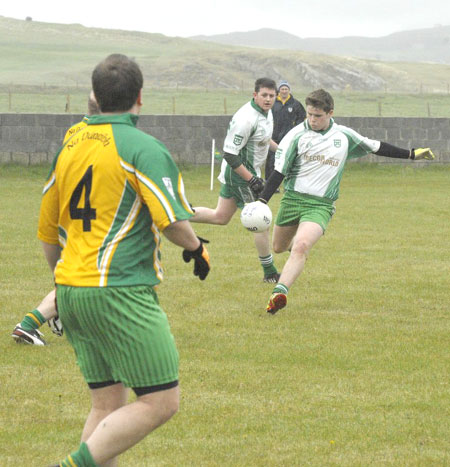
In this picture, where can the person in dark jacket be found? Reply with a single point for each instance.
(287, 113)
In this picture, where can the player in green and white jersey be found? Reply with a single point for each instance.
(311, 158)
(245, 150)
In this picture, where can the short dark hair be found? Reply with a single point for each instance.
(265, 83)
(320, 99)
(116, 82)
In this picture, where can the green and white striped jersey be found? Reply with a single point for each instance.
(248, 136)
(313, 161)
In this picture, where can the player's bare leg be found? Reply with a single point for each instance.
(282, 237)
(262, 242)
(308, 233)
(306, 236)
(221, 215)
(104, 402)
(129, 424)
(114, 426)
(47, 307)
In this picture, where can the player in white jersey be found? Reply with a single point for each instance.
(311, 159)
(245, 149)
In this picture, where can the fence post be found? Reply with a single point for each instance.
(173, 105)
(68, 103)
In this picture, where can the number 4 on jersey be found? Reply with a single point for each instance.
(86, 214)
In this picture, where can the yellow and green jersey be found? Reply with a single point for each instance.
(75, 128)
(111, 190)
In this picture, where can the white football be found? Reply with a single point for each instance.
(256, 217)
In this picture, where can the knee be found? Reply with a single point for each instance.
(278, 248)
(219, 218)
(170, 406)
(222, 220)
(222, 217)
(300, 248)
(163, 407)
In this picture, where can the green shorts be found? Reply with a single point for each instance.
(297, 207)
(241, 194)
(119, 334)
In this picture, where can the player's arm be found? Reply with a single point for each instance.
(52, 253)
(273, 146)
(182, 234)
(388, 150)
(282, 163)
(48, 220)
(272, 184)
(234, 161)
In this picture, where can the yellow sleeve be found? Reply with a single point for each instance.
(49, 213)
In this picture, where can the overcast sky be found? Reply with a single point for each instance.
(323, 18)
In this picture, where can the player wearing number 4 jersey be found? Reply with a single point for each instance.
(311, 159)
(97, 249)
(111, 194)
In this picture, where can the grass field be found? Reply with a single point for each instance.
(37, 99)
(354, 372)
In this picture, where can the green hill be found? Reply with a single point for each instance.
(419, 45)
(37, 54)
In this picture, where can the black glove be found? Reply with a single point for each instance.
(201, 259)
(256, 185)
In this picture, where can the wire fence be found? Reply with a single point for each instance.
(177, 101)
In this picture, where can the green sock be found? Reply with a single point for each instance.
(280, 288)
(32, 320)
(80, 458)
(267, 264)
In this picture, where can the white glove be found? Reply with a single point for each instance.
(56, 326)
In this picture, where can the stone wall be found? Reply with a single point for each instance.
(34, 138)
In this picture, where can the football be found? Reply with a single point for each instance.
(256, 216)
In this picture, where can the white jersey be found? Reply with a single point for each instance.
(313, 161)
(248, 136)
